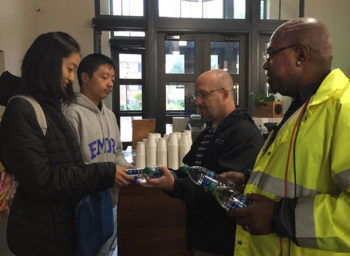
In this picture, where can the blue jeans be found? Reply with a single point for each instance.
(110, 248)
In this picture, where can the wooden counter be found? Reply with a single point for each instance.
(150, 223)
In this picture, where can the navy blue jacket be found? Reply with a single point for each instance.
(234, 146)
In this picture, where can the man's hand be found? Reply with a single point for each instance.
(121, 178)
(256, 218)
(166, 182)
(237, 177)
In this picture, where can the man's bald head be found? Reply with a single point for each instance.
(214, 95)
(300, 55)
(309, 32)
(216, 78)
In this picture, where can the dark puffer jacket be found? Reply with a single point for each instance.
(234, 146)
(51, 177)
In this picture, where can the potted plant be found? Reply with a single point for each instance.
(262, 100)
(267, 106)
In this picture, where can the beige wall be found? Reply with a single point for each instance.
(71, 16)
(335, 15)
(16, 31)
(21, 21)
(2, 61)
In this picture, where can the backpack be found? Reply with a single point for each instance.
(8, 184)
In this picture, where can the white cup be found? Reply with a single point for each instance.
(162, 152)
(140, 155)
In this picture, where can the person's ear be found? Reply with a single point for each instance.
(226, 93)
(303, 54)
(84, 77)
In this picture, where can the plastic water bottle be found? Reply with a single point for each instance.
(140, 174)
(231, 199)
(137, 174)
(224, 189)
(206, 178)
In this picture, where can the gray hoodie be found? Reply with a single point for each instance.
(96, 130)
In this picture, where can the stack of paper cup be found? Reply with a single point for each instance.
(145, 142)
(173, 152)
(151, 150)
(157, 136)
(162, 152)
(184, 147)
(189, 133)
(167, 151)
(178, 134)
(140, 155)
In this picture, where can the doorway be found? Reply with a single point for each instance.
(183, 57)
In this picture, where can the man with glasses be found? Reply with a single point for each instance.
(230, 142)
(300, 183)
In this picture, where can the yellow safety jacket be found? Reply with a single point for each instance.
(322, 160)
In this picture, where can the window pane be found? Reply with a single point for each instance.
(272, 10)
(129, 33)
(130, 97)
(175, 97)
(236, 93)
(225, 55)
(126, 127)
(130, 66)
(121, 7)
(168, 128)
(191, 9)
(214, 61)
(203, 9)
(179, 57)
(169, 8)
(179, 97)
(239, 9)
(105, 7)
(262, 9)
(213, 9)
(128, 7)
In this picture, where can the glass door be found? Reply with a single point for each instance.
(182, 58)
(128, 94)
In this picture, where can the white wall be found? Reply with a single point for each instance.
(21, 21)
(17, 28)
(71, 16)
(335, 15)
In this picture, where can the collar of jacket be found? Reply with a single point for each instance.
(335, 81)
(235, 116)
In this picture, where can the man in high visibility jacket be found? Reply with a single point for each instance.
(300, 183)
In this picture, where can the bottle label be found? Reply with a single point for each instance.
(138, 175)
(207, 181)
(240, 201)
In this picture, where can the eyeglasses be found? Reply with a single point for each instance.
(204, 94)
(269, 55)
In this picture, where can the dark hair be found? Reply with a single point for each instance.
(42, 66)
(90, 63)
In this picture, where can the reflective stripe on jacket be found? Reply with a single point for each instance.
(322, 166)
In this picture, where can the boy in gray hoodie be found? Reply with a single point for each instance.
(96, 126)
